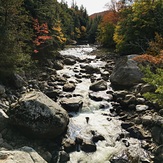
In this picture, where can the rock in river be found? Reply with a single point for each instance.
(99, 85)
(73, 104)
(38, 116)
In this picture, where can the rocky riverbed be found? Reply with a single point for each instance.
(71, 112)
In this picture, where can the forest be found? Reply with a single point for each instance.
(76, 87)
(33, 30)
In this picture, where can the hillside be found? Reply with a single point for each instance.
(98, 14)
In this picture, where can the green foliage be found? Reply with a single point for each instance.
(14, 36)
(156, 80)
(138, 25)
(105, 35)
(93, 29)
(155, 46)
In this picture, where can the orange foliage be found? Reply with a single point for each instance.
(110, 17)
(157, 60)
(41, 33)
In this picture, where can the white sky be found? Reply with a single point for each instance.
(92, 6)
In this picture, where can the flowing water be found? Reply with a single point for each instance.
(100, 121)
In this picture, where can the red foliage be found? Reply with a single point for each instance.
(41, 32)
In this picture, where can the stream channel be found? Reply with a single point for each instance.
(95, 116)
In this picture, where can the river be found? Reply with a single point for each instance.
(93, 118)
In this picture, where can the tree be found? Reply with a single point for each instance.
(138, 25)
(14, 36)
(106, 29)
(153, 70)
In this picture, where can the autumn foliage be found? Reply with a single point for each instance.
(157, 60)
(110, 17)
(41, 34)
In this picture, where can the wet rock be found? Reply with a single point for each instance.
(140, 108)
(78, 140)
(120, 94)
(158, 120)
(69, 61)
(89, 69)
(140, 100)
(126, 125)
(98, 86)
(105, 75)
(136, 132)
(69, 145)
(3, 120)
(97, 138)
(147, 120)
(2, 90)
(131, 107)
(54, 94)
(159, 154)
(73, 104)
(47, 156)
(18, 81)
(88, 146)
(38, 116)
(126, 72)
(130, 99)
(126, 143)
(21, 155)
(63, 157)
(69, 87)
(161, 112)
(146, 88)
(58, 65)
(43, 76)
(157, 134)
(99, 96)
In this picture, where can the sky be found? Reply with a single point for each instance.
(92, 6)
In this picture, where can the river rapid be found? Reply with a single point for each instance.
(96, 117)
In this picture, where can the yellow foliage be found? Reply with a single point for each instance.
(117, 37)
(58, 33)
(83, 29)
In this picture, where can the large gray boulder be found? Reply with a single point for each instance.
(38, 116)
(21, 155)
(126, 72)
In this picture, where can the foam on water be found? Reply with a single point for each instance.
(98, 119)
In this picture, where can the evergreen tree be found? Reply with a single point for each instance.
(14, 36)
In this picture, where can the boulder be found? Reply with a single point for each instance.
(36, 115)
(69, 61)
(159, 154)
(2, 90)
(140, 108)
(147, 88)
(69, 87)
(88, 146)
(98, 85)
(73, 104)
(99, 96)
(18, 81)
(58, 65)
(21, 155)
(90, 69)
(3, 120)
(126, 72)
